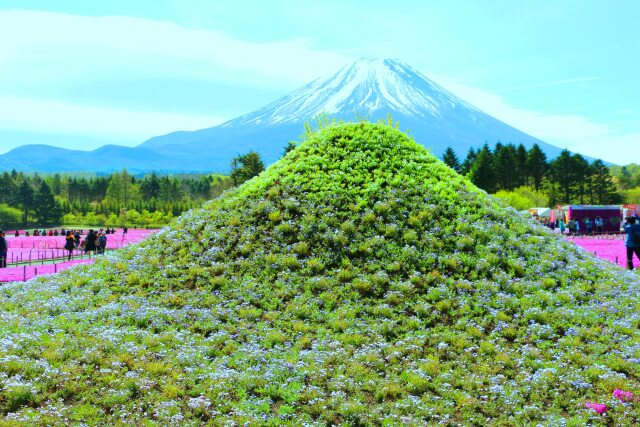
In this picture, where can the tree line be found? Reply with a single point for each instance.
(117, 199)
(567, 179)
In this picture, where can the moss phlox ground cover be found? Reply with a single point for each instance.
(357, 281)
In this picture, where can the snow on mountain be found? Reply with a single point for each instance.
(365, 86)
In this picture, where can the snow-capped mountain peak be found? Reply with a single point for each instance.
(364, 87)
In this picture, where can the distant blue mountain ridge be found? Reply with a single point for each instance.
(369, 88)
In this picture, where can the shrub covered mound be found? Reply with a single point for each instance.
(356, 281)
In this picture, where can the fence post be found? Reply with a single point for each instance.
(24, 273)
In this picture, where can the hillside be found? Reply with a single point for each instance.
(357, 281)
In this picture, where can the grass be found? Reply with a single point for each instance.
(357, 281)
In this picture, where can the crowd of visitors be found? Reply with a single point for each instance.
(62, 232)
(575, 227)
(94, 242)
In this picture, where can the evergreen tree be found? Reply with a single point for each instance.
(8, 189)
(451, 159)
(536, 165)
(465, 167)
(121, 188)
(150, 186)
(289, 147)
(581, 177)
(246, 166)
(24, 199)
(482, 171)
(56, 184)
(604, 190)
(47, 210)
(504, 163)
(521, 172)
(562, 177)
(625, 179)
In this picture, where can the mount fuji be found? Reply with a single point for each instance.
(367, 88)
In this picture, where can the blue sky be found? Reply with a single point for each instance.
(81, 73)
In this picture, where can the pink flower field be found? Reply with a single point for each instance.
(29, 256)
(611, 248)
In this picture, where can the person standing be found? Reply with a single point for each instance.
(4, 249)
(599, 224)
(69, 244)
(561, 226)
(90, 242)
(102, 243)
(632, 240)
(589, 225)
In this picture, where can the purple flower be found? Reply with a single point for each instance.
(600, 408)
(623, 396)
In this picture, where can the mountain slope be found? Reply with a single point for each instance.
(367, 88)
(108, 158)
(357, 281)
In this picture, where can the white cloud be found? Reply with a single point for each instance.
(574, 132)
(71, 43)
(45, 50)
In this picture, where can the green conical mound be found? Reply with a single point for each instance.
(358, 281)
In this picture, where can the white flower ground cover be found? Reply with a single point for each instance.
(358, 281)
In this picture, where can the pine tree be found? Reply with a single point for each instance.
(581, 177)
(46, 208)
(562, 177)
(521, 173)
(536, 166)
(504, 166)
(150, 186)
(24, 199)
(246, 166)
(604, 190)
(9, 189)
(465, 167)
(451, 159)
(482, 171)
(289, 147)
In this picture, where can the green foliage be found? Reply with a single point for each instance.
(450, 159)
(632, 195)
(246, 166)
(153, 199)
(626, 177)
(9, 217)
(523, 198)
(46, 208)
(482, 171)
(387, 290)
(568, 179)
